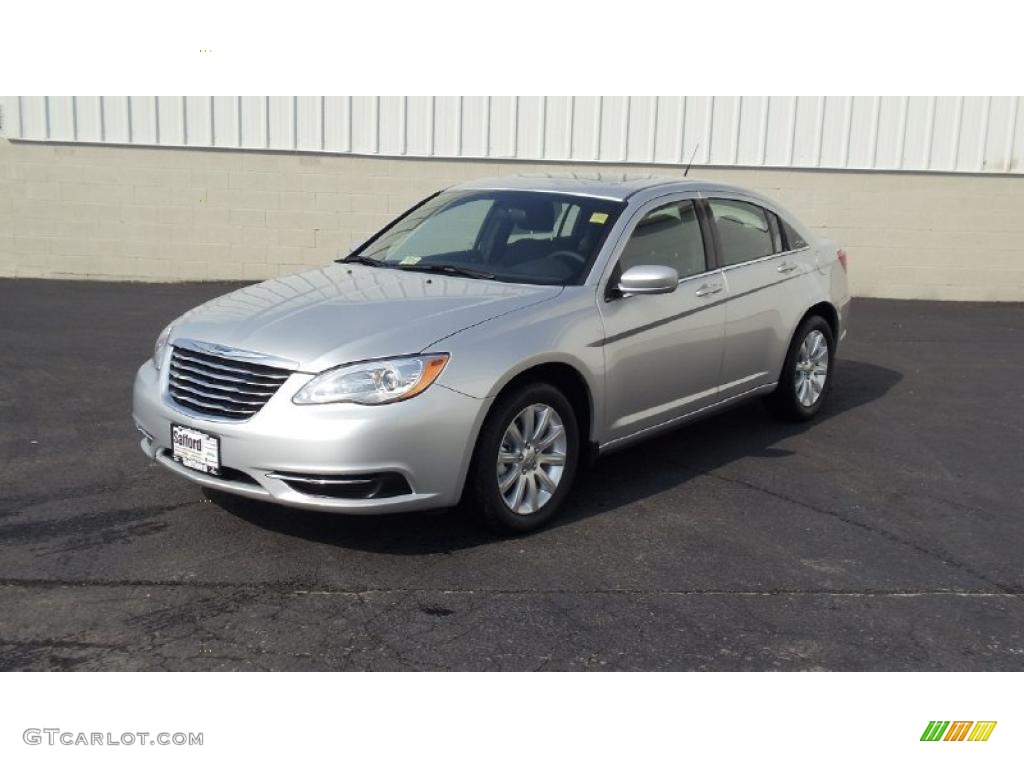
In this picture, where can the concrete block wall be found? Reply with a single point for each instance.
(156, 214)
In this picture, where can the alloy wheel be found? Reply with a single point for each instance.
(811, 368)
(531, 458)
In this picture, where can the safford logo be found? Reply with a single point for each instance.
(958, 730)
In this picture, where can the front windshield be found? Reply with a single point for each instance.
(520, 237)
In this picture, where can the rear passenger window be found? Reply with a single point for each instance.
(793, 238)
(668, 236)
(743, 231)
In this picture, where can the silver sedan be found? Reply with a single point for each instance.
(490, 340)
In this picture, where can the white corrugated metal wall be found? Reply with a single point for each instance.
(969, 134)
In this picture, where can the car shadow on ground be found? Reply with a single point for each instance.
(623, 477)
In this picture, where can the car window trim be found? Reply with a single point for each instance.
(775, 229)
(712, 245)
(758, 260)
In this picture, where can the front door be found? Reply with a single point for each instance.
(663, 352)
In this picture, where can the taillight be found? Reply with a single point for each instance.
(841, 255)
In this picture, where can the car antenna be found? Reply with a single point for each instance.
(692, 155)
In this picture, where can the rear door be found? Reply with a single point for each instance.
(763, 280)
(663, 352)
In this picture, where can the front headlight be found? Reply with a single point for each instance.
(375, 382)
(161, 345)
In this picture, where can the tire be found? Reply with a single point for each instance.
(797, 397)
(486, 499)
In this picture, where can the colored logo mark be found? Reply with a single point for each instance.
(958, 730)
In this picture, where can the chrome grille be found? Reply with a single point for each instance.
(221, 386)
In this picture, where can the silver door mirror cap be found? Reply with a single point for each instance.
(648, 279)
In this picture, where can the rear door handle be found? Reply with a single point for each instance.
(786, 266)
(709, 288)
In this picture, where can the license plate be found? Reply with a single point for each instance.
(196, 450)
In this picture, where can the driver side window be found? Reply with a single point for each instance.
(667, 236)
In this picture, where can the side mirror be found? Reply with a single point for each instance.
(356, 244)
(648, 279)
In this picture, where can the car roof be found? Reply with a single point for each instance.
(604, 185)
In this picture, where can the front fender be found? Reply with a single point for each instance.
(486, 357)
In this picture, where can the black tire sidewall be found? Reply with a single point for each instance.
(485, 495)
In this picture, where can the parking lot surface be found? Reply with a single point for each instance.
(888, 534)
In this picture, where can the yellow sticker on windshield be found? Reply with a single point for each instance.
(598, 218)
(410, 260)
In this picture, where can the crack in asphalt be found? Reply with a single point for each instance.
(937, 554)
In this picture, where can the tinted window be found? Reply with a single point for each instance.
(793, 238)
(567, 219)
(554, 219)
(743, 231)
(668, 236)
(521, 237)
(453, 229)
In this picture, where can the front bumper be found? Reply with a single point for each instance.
(428, 440)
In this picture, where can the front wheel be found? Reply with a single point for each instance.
(525, 459)
(807, 373)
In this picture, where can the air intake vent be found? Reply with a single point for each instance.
(221, 386)
(379, 485)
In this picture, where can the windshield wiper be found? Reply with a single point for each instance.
(448, 269)
(357, 258)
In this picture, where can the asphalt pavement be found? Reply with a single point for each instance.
(886, 535)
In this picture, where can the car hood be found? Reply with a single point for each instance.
(347, 312)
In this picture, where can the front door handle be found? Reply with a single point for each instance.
(786, 266)
(708, 288)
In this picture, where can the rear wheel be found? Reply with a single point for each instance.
(525, 459)
(807, 373)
